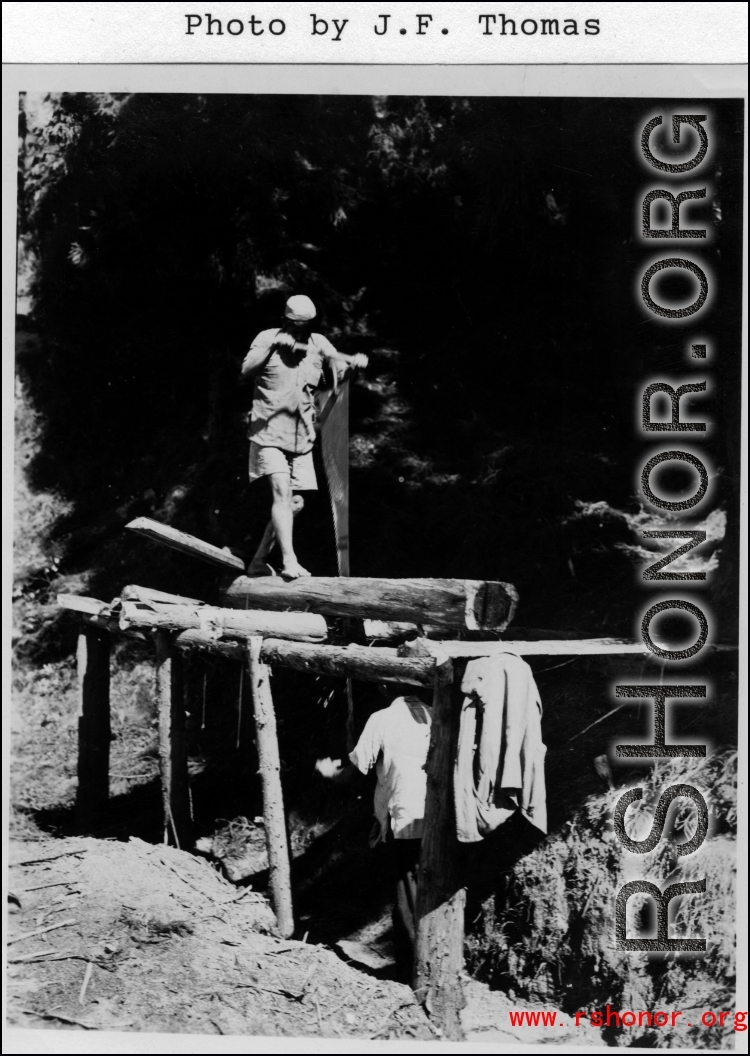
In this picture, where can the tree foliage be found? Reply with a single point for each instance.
(480, 249)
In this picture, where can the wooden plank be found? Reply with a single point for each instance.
(172, 743)
(229, 623)
(389, 630)
(555, 647)
(186, 544)
(147, 594)
(77, 603)
(94, 726)
(441, 899)
(274, 818)
(536, 634)
(584, 647)
(472, 604)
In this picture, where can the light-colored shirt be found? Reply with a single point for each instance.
(283, 412)
(396, 740)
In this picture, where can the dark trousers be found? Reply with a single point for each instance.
(406, 853)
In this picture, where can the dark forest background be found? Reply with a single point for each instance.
(483, 252)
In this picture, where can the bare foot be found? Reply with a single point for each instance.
(294, 571)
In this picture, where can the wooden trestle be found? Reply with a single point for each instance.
(267, 621)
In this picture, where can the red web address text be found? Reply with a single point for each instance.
(610, 1018)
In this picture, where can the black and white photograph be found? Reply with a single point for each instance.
(376, 598)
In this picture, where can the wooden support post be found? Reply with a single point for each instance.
(274, 818)
(172, 742)
(439, 956)
(94, 730)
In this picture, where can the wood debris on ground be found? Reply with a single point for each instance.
(156, 940)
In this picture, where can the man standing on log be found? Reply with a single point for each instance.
(289, 364)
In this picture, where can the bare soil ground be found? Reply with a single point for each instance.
(133, 936)
(160, 938)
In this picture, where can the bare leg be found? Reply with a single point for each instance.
(259, 565)
(282, 518)
(285, 507)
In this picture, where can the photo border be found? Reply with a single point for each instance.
(596, 80)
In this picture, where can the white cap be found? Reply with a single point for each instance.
(300, 309)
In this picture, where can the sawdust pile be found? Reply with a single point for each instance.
(131, 936)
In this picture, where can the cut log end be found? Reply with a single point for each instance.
(490, 605)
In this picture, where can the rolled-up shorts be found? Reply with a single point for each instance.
(300, 468)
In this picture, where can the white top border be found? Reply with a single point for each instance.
(424, 33)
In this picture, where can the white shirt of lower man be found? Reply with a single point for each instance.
(396, 741)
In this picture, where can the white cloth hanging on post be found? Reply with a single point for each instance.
(499, 766)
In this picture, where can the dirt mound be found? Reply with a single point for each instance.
(547, 936)
(132, 936)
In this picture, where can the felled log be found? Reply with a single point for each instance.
(351, 661)
(229, 623)
(473, 604)
(186, 544)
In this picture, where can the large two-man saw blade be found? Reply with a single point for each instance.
(334, 445)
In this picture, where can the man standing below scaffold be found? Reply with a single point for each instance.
(289, 364)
